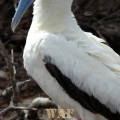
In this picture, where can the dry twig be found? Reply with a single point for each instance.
(11, 72)
(20, 85)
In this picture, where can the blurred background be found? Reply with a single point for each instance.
(101, 17)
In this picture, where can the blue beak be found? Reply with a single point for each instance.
(20, 11)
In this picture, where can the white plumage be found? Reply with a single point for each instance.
(92, 67)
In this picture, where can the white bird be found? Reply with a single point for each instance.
(71, 66)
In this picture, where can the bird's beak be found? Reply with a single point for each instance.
(22, 8)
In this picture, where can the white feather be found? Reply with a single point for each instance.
(91, 65)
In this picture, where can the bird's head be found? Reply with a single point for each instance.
(20, 11)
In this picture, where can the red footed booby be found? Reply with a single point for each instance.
(72, 67)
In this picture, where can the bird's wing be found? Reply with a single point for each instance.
(95, 38)
(94, 46)
(82, 77)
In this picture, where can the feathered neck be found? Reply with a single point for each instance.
(51, 13)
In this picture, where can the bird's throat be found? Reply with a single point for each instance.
(51, 12)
